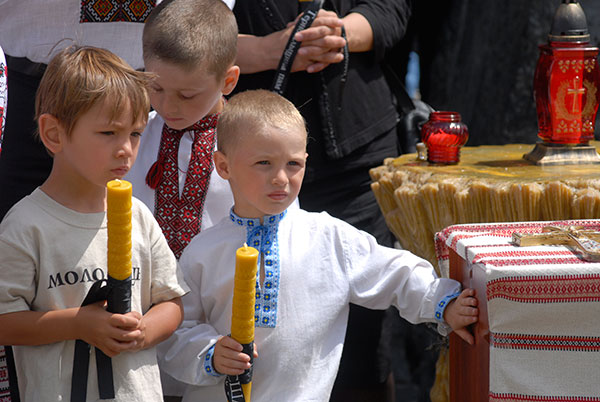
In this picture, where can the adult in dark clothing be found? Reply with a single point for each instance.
(479, 58)
(351, 118)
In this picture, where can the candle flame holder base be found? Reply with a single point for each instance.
(559, 154)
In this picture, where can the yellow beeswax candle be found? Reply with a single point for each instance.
(119, 228)
(244, 294)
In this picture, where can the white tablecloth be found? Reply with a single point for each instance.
(543, 311)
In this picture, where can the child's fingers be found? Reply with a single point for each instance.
(235, 355)
(469, 317)
(467, 302)
(125, 321)
(231, 362)
(468, 310)
(467, 293)
(112, 347)
(230, 343)
(466, 314)
(234, 367)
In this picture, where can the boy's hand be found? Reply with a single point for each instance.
(461, 312)
(111, 333)
(137, 330)
(228, 357)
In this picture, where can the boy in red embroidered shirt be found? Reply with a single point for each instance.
(191, 46)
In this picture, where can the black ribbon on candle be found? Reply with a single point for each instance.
(233, 383)
(81, 359)
(117, 293)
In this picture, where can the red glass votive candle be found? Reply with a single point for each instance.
(444, 133)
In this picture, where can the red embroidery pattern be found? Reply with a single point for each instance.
(115, 10)
(180, 218)
(545, 342)
(3, 93)
(4, 386)
(571, 259)
(466, 231)
(507, 228)
(489, 256)
(441, 250)
(494, 397)
(545, 289)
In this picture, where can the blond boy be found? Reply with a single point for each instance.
(190, 45)
(311, 267)
(91, 109)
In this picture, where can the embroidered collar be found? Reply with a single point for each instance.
(264, 238)
(206, 123)
(261, 237)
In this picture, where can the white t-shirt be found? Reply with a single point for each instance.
(325, 264)
(51, 255)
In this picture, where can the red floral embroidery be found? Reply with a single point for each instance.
(115, 10)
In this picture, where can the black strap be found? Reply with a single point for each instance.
(81, 358)
(13, 385)
(233, 383)
(405, 103)
(292, 46)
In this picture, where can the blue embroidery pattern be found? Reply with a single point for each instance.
(208, 364)
(441, 306)
(264, 239)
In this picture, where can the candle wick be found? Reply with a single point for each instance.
(245, 246)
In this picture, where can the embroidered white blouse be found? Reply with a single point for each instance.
(38, 29)
(323, 264)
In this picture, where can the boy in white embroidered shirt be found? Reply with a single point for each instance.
(311, 267)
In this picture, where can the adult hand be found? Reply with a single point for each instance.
(321, 43)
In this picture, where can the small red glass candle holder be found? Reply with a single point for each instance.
(444, 134)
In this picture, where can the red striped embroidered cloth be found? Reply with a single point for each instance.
(4, 389)
(543, 310)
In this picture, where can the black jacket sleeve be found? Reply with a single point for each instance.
(388, 19)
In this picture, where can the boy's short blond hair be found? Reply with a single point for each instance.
(251, 112)
(78, 78)
(192, 33)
